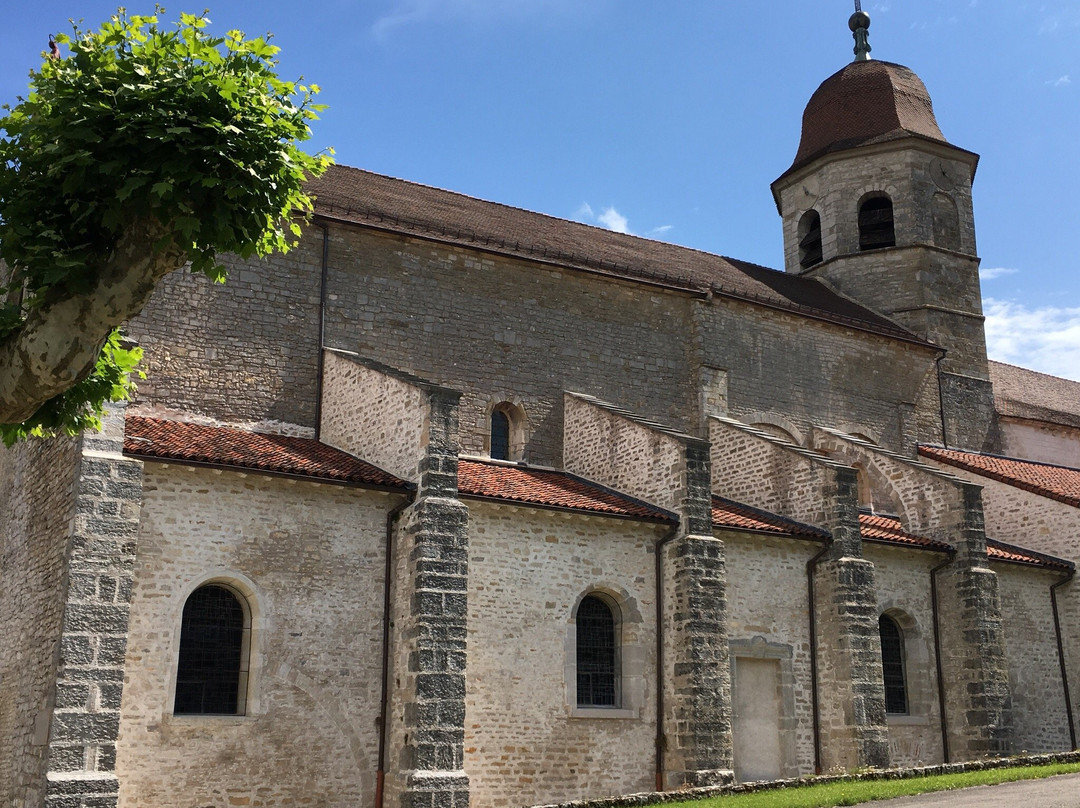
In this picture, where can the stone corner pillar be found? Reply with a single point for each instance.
(975, 663)
(86, 710)
(697, 672)
(850, 686)
(431, 581)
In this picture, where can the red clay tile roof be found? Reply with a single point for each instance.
(156, 439)
(1023, 393)
(999, 551)
(735, 515)
(361, 197)
(888, 530)
(865, 103)
(1060, 483)
(549, 488)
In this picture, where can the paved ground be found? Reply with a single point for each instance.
(1052, 792)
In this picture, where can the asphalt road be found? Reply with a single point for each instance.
(1053, 792)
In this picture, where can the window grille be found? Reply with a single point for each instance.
(876, 224)
(211, 648)
(597, 665)
(892, 665)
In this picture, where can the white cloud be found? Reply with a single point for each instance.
(411, 12)
(659, 231)
(990, 273)
(1045, 339)
(585, 212)
(1061, 81)
(613, 220)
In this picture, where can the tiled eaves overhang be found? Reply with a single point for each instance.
(882, 529)
(1011, 554)
(731, 515)
(1059, 483)
(245, 451)
(510, 483)
(405, 208)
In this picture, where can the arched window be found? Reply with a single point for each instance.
(597, 654)
(892, 665)
(809, 239)
(211, 675)
(500, 436)
(876, 224)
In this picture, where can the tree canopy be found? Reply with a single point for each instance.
(147, 148)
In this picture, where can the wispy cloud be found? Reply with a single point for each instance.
(990, 273)
(659, 231)
(404, 13)
(1061, 81)
(1045, 338)
(613, 220)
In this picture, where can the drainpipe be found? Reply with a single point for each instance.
(1061, 655)
(811, 568)
(322, 329)
(937, 654)
(661, 743)
(384, 699)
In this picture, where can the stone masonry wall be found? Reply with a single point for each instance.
(525, 738)
(309, 560)
(618, 451)
(37, 499)
(244, 352)
(1039, 440)
(1041, 723)
(373, 415)
(767, 594)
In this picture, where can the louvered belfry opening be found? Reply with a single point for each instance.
(597, 658)
(876, 228)
(892, 665)
(211, 649)
(810, 239)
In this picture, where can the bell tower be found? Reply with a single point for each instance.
(877, 205)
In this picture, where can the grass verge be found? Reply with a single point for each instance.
(827, 795)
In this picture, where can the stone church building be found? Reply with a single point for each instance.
(462, 505)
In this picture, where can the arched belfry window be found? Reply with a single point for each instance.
(597, 654)
(211, 674)
(500, 435)
(809, 239)
(892, 665)
(876, 224)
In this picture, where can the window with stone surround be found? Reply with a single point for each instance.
(212, 670)
(597, 654)
(507, 433)
(876, 229)
(892, 666)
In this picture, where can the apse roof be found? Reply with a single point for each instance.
(361, 197)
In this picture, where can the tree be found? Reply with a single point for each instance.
(146, 149)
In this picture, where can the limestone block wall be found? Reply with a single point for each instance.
(526, 741)
(767, 598)
(806, 370)
(373, 415)
(37, 498)
(754, 468)
(245, 351)
(903, 592)
(1041, 723)
(617, 450)
(1038, 440)
(1027, 519)
(309, 560)
(501, 327)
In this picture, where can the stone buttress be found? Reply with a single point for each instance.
(672, 470)
(755, 468)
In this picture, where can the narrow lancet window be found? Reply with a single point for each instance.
(500, 436)
(597, 657)
(892, 665)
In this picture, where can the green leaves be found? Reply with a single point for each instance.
(147, 119)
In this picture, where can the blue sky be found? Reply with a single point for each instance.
(669, 120)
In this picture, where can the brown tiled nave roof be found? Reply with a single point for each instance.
(1060, 483)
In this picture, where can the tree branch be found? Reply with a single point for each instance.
(60, 341)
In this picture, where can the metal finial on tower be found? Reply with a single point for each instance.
(860, 30)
